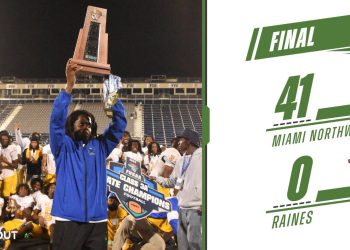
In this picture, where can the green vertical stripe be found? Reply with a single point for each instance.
(252, 44)
(205, 124)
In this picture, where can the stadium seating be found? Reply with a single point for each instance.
(97, 110)
(5, 110)
(102, 120)
(165, 122)
(34, 117)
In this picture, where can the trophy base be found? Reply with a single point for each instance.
(92, 68)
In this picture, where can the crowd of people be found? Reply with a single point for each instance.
(27, 186)
(58, 192)
(177, 170)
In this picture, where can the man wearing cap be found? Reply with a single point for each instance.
(187, 181)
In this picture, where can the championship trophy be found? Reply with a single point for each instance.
(91, 53)
(91, 49)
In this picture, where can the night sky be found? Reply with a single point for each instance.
(146, 37)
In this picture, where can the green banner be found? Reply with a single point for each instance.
(302, 37)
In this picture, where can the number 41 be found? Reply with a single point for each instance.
(286, 103)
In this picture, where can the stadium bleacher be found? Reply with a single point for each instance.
(97, 110)
(161, 106)
(165, 122)
(5, 111)
(34, 117)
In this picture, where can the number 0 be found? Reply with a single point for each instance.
(301, 170)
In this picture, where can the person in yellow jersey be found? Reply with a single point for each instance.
(21, 205)
(48, 165)
(21, 168)
(23, 144)
(2, 201)
(115, 215)
(19, 227)
(32, 157)
(153, 231)
(129, 226)
(8, 163)
(169, 158)
(161, 224)
(40, 198)
(35, 226)
(45, 219)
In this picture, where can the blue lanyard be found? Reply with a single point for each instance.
(185, 165)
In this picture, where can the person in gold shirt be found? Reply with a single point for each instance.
(8, 164)
(153, 231)
(115, 215)
(22, 225)
(32, 156)
(18, 227)
(48, 165)
(45, 220)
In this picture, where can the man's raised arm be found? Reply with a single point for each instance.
(114, 132)
(60, 109)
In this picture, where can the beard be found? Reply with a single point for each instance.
(82, 136)
(113, 206)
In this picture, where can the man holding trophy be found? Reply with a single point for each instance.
(79, 205)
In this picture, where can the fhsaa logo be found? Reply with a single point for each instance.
(133, 167)
(137, 194)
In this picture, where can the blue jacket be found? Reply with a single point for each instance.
(81, 186)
